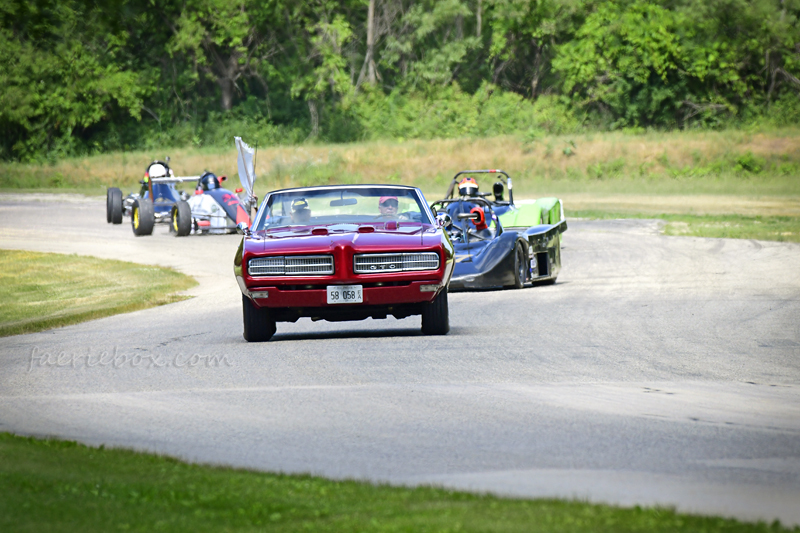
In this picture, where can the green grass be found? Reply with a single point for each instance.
(40, 291)
(731, 183)
(696, 162)
(768, 228)
(51, 485)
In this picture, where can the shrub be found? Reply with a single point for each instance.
(450, 112)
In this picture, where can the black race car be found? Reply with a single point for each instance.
(497, 242)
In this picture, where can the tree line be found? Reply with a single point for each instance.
(80, 76)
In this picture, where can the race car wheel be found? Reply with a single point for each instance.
(108, 206)
(114, 205)
(142, 217)
(181, 223)
(436, 316)
(258, 323)
(520, 267)
(552, 281)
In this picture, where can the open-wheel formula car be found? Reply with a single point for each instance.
(343, 252)
(211, 209)
(497, 243)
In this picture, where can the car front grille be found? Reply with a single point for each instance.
(289, 265)
(399, 262)
(309, 265)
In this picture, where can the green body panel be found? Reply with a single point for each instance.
(543, 211)
(551, 210)
(522, 216)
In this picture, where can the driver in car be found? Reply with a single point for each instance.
(468, 188)
(301, 214)
(387, 205)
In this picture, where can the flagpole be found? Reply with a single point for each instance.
(255, 198)
(255, 158)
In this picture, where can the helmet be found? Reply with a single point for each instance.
(468, 187)
(299, 204)
(208, 181)
(157, 169)
(301, 214)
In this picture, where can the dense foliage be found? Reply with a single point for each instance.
(95, 75)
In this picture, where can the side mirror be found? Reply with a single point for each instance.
(444, 220)
(242, 229)
(497, 189)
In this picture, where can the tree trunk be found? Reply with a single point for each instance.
(371, 78)
(478, 15)
(229, 70)
(537, 64)
(226, 85)
(772, 72)
(314, 112)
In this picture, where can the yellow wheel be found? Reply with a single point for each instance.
(142, 217)
(181, 219)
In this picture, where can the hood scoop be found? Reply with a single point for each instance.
(343, 227)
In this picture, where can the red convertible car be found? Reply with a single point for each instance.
(343, 252)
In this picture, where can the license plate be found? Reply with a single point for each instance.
(345, 294)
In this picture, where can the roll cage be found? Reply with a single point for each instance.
(454, 181)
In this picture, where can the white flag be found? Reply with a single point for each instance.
(247, 172)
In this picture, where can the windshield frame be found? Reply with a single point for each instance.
(401, 190)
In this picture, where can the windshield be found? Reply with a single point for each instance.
(348, 205)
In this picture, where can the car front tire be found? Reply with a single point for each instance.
(520, 266)
(436, 315)
(181, 223)
(258, 323)
(108, 206)
(114, 205)
(142, 217)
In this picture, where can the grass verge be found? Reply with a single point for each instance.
(51, 485)
(703, 162)
(41, 290)
(767, 228)
(730, 183)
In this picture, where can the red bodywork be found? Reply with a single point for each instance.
(382, 291)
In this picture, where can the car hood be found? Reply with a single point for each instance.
(300, 240)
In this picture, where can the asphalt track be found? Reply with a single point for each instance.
(658, 370)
